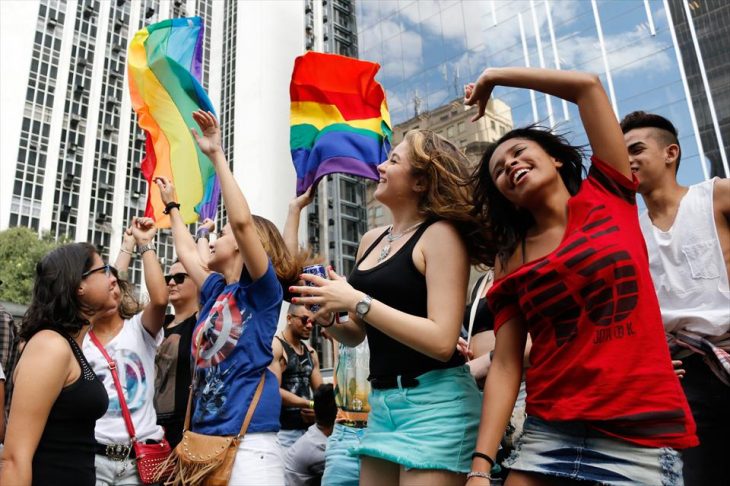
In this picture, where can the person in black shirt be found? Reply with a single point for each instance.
(297, 367)
(173, 361)
(57, 397)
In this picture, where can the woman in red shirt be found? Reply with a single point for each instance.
(603, 402)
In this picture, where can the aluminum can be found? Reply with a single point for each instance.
(319, 271)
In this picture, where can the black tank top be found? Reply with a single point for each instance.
(397, 283)
(295, 379)
(483, 317)
(65, 453)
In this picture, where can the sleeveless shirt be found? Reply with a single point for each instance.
(688, 267)
(295, 379)
(397, 283)
(65, 453)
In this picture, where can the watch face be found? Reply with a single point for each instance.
(362, 307)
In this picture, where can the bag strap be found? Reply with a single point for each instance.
(479, 285)
(120, 393)
(249, 412)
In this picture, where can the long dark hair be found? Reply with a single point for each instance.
(504, 223)
(55, 302)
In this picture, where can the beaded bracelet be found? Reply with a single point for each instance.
(478, 474)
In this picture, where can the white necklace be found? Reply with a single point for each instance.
(391, 238)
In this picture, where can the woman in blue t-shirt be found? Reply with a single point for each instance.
(240, 296)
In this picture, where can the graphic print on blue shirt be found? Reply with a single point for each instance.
(237, 324)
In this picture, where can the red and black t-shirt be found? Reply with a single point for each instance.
(599, 354)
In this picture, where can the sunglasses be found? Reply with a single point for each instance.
(107, 269)
(177, 277)
(302, 319)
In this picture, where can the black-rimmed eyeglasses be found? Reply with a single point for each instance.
(107, 269)
(177, 277)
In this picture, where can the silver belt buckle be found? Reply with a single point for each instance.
(118, 452)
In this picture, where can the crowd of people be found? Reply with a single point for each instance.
(593, 349)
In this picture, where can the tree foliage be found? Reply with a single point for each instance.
(20, 251)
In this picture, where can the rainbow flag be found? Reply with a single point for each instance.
(339, 118)
(165, 68)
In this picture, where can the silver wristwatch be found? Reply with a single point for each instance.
(362, 307)
(149, 246)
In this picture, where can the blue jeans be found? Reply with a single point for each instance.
(342, 469)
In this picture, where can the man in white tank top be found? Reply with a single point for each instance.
(687, 234)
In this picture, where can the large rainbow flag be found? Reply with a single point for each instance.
(165, 69)
(339, 118)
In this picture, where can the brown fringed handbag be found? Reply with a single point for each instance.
(206, 460)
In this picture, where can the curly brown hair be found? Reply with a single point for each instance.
(445, 172)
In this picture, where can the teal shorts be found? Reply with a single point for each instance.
(431, 426)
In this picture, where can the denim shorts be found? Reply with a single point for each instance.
(573, 450)
(341, 468)
(429, 426)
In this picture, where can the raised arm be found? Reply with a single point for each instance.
(125, 254)
(153, 315)
(184, 242)
(202, 239)
(291, 226)
(239, 214)
(583, 89)
(446, 269)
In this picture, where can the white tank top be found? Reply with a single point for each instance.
(688, 268)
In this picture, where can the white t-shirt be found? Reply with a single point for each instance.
(133, 350)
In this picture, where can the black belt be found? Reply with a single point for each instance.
(115, 452)
(386, 382)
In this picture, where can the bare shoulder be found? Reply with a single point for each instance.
(721, 196)
(441, 234)
(47, 343)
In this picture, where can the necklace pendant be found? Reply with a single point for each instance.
(384, 253)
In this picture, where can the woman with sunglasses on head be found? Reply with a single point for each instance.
(57, 397)
(130, 334)
(603, 402)
(407, 294)
(241, 296)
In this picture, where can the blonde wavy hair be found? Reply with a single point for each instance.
(288, 267)
(445, 172)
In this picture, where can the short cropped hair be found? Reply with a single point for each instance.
(642, 119)
(325, 408)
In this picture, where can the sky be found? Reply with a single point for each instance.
(429, 49)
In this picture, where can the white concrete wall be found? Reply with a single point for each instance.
(270, 37)
(18, 25)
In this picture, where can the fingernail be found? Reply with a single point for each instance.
(294, 300)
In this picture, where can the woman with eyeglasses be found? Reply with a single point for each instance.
(241, 295)
(57, 396)
(172, 364)
(130, 334)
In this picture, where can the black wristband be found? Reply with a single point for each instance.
(483, 456)
(332, 322)
(169, 206)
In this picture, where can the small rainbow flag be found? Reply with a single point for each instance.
(165, 68)
(339, 118)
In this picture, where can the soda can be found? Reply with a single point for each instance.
(319, 271)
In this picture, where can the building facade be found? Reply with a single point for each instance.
(71, 149)
(703, 41)
(430, 50)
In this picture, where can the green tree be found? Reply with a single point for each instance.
(20, 251)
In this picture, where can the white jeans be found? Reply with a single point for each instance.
(258, 461)
(116, 473)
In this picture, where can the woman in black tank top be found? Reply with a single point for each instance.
(57, 397)
(407, 294)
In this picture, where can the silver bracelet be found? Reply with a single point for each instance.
(126, 251)
(478, 474)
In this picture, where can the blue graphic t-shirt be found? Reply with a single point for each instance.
(235, 329)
